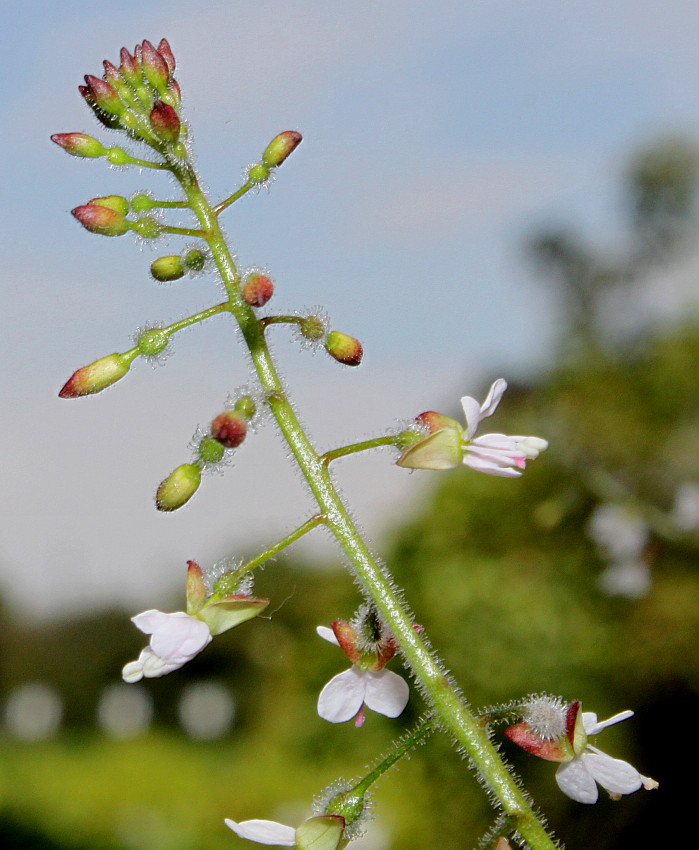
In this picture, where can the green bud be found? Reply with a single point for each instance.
(345, 349)
(112, 202)
(280, 147)
(178, 488)
(117, 156)
(97, 376)
(78, 144)
(210, 450)
(167, 268)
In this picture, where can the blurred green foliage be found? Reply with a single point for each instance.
(502, 575)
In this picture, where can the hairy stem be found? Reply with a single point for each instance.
(450, 711)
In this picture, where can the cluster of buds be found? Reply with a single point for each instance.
(166, 269)
(107, 216)
(313, 331)
(281, 146)
(176, 638)
(141, 97)
(227, 431)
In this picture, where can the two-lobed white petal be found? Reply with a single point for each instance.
(175, 639)
(384, 692)
(475, 412)
(264, 832)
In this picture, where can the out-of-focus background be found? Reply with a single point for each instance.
(483, 189)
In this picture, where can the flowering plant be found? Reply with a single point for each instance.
(142, 99)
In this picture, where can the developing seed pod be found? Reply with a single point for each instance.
(194, 260)
(178, 488)
(345, 349)
(210, 451)
(96, 377)
(78, 144)
(257, 289)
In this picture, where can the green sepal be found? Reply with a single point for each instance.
(230, 611)
(320, 833)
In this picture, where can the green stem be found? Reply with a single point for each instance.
(365, 445)
(450, 711)
(244, 189)
(228, 583)
(185, 231)
(127, 159)
(280, 320)
(424, 728)
(224, 307)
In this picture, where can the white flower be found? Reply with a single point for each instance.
(175, 639)
(685, 511)
(579, 776)
(629, 578)
(323, 832)
(346, 694)
(621, 533)
(444, 444)
(495, 454)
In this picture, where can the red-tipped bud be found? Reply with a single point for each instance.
(78, 144)
(166, 269)
(129, 68)
(345, 349)
(155, 68)
(178, 488)
(96, 377)
(280, 147)
(229, 428)
(104, 95)
(102, 220)
(257, 289)
(165, 51)
(112, 202)
(107, 120)
(165, 122)
(111, 73)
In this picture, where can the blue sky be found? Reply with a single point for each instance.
(435, 139)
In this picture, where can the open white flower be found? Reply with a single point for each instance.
(446, 444)
(578, 777)
(318, 833)
(367, 682)
(495, 454)
(175, 639)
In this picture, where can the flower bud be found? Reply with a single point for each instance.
(164, 121)
(104, 95)
(107, 120)
(258, 173)
(111, 202)
(96, 377)
(129, 68)
(210, 450)
(102, 220)
(280, 147)
(173, 93)
(257, 289)
(345, 349)
(78, 144)
(178, 488)
(165, 51)
(155, 68)
(168, 268)
(229, 428)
